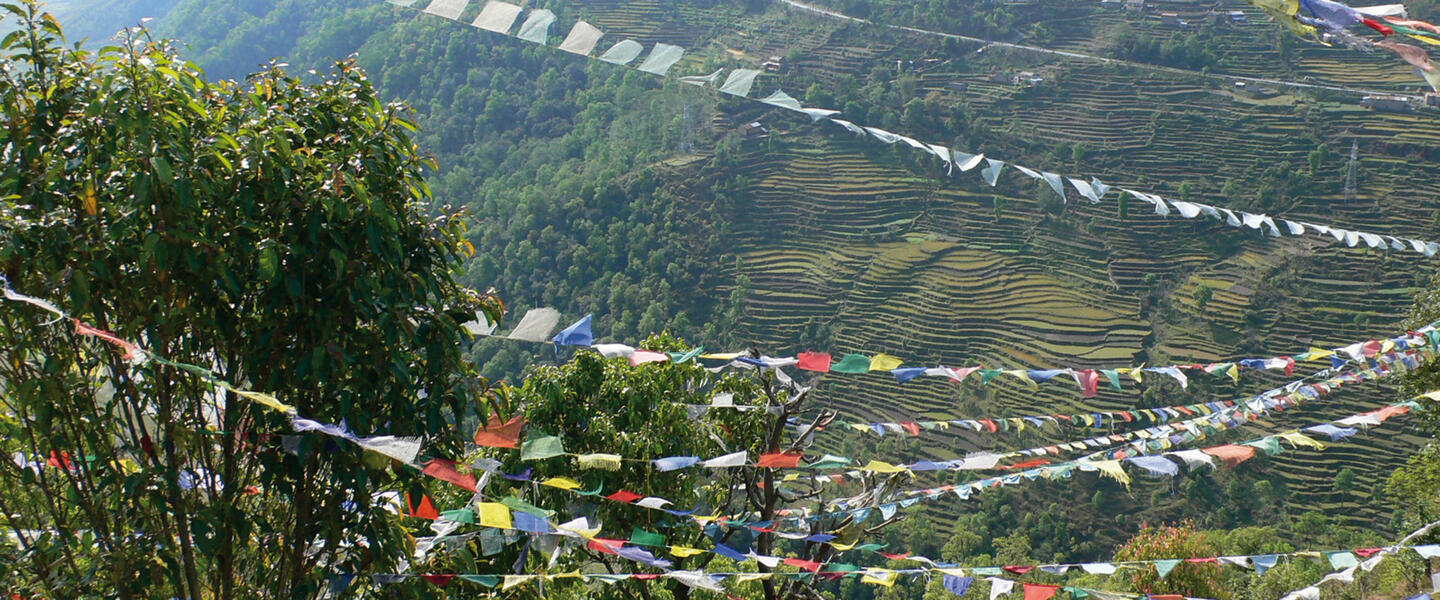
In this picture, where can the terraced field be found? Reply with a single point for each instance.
(854, 246)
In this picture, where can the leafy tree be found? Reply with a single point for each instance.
(1204, 580)
(276, 232)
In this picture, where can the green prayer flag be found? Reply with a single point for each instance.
(829, 461)
(460, 515)
(484, 580)
(1114, 378)
(1164, 567)
(852, 363)
(640, 537)
(519, 505)
(542, 447)
(840, 567)
(987, 374)
(870, 547)
(1341, 560)
(1077, 593)
(677, 357)
(1269, 445)
(595, 492)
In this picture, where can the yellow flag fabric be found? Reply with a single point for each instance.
(265, 399)
(604, 462)
(1318, 354)
(1113, 470)
(876, 466)
(884, 362)
(564, 483)
(684, 552)
(1234, 373)
(723, 355)
(512, 581)
(1299, 439)
(883, 577)
(495, 514)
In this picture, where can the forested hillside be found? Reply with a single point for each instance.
(600, 189)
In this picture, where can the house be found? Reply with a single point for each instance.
(754, 131)
(1388, 103)
(1170, 19)
(1026, 78)
(774, 64)
(1135, 5)
(1237, 16)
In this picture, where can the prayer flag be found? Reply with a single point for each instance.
(814, 361)
(853, 363)
(495, 514)
(445, 470)
(1035, 591)
(675, 463)
(425, 509)
(779, 460)
(734, 459)
(640, 537)
(497, 435)
(957, 585)
(542, 447)
(884, 362)
(578, 334)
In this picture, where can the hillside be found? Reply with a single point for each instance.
(597, 189)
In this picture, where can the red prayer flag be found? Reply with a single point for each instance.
(911, 427)
(438, 580)
(989, 425)
(1019, 570)
(606, 546)
(1384, 30)
(1188, 412)
(424, 510)
(778, 460)
(445, 470)
(808, 565)
(129, 348)
(60, 460)
(497, 435)
(624, 496)
(645, 576)
(814, 361)
(1089, 382)
(1125, 414)
(1166, 597)
(1367, 552)
(1035, 591)
(1026, 464)
(1203, 560)
(895, 556)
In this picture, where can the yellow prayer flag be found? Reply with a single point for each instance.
(495, 514)
(842, 546)
(265, 399)
(884, 362)
(723, 355)
(1023, 376)
(883, 577)
(876, 466)
(744, 577)
(1113, 470)
(1428, 40)
(1135, 373)
(1019, 423)
(564, 483)
(512, 581)
(604, 462)
(1317, 354)
(1088, 419)
(684, 552)
(1298, 439)
(1234, 373)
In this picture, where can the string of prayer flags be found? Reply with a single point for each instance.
(1088, 380)
(663, 56)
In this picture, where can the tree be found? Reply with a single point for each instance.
(598, 405)
(277, 234)
(1204, 580)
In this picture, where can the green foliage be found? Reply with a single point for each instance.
(276, 231)
(1204, 580)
